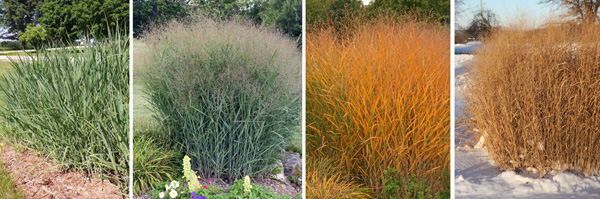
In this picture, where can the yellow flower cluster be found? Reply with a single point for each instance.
(190, 175)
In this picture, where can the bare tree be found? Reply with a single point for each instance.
(585, 11)
(482, 24)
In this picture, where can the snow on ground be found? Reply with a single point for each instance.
(461, 79)
(467, 48)
(477, 176)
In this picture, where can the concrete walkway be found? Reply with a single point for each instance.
(13, 57)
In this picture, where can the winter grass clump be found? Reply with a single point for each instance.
(535, 97)
(379, 100)
(72, 105)
(227, 94)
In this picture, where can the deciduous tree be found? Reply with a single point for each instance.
(285, 15)
(35, 35)
(15, 15)
(585, 11)
(69, 20)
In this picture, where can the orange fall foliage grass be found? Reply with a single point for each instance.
(379, 99)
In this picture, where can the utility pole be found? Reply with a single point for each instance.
(481, 9)
(482, 20)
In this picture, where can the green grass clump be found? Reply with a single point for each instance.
(228, 94)
(8, 190)
(153, 161)
(72, 104)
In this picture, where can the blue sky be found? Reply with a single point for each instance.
(506, 10)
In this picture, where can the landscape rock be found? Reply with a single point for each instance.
(292, 163)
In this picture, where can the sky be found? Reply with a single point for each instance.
(506, 10)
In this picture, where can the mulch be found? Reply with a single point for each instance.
(37, 177)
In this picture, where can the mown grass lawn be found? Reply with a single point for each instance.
(141, 112)
(20, 53)
(5, 67)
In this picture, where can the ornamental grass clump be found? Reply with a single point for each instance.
(379, 99)
(227, 94)
(535, 97)
(72, 105)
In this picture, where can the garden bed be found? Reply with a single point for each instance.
(38, 177)
(280, 188)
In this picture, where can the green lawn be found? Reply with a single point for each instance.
(5, 66)
(141, 113)
(20, 53)
(7, 186)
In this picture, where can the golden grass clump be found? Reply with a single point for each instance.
(327, 181)
(379, 99)
(535, 97)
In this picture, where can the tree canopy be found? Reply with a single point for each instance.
(283, 15)
(156, 11)
(69, 20)
(15, 15)
(62, 20)
(438, 10)
(585, 11)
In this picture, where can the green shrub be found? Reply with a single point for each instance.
(398, 186)
(12, 45)
(227, 94)
(72, 104)
(35, 35)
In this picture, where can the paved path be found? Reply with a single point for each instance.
(13, 57)
(5, 57)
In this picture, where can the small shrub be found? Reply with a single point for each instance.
(534, 97)
(34, 35)
(227, 94)
(396, 186)
(12, 45)
(380, 99)
(72, 105)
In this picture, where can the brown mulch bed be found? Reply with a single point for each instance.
(37, 177)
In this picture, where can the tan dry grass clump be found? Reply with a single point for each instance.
(535, 97)
(378, 100)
